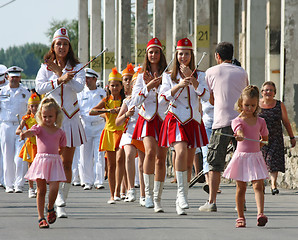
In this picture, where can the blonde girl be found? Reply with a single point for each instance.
(47, 167)
(29, 120)
(111, 135)
(247, 163)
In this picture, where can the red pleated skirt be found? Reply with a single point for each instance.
(173, 131)
(146, 128)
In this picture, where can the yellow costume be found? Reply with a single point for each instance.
(30, 142)
(111, 135)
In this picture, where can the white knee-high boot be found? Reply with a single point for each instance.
(182, 190)
(157, 192)
(61, 199)
(148, 181)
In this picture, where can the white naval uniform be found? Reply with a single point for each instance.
(187, 100)
(66, 96)
(14, 168)
(92, 162)
(1, 157)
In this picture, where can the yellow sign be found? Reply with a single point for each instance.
(140, 53)
(203, 36)
(109, 60)
(96, 64)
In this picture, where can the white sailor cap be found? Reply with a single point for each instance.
(14, 71)
(91, 73)
(3, 70)
(61, 33)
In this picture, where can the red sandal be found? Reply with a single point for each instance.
(240, 222)
(42, 223)
(261, 220)
(51, 216)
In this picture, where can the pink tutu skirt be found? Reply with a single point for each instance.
(173, 131)
(48, 167)
(246, 167)
(146, 128)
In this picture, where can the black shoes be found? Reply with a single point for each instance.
(274, 191)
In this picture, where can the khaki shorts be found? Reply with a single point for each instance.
(217, 148)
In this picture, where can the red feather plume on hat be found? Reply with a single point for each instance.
(130, 67)
(114, 70)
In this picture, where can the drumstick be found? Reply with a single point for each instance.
(47, 94)
(28, 155)
(249, 139)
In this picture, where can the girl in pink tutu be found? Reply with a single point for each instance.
(47, 166)
(247, 163)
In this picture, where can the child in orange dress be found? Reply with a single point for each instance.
(30, 145)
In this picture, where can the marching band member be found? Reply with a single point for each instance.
(151, 115)
(59, 72)
(131, 146)
(183, 127)
(92, 162)
(111, 134)
(14, 102)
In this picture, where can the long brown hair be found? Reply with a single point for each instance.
(176, 66)
(70, 57)
(161, 65)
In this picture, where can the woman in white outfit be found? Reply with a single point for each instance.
(151, 115)
(183, 127)
(60, 72)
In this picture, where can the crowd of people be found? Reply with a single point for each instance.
(77, 133)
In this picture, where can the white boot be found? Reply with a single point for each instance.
(62, 194)
(149, 181)
(179, 210)
(182, 189)
(61, 212)
(157, 191)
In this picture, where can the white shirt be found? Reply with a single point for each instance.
(66, 95)
(184, 105)
(14, 103)
(89, 99)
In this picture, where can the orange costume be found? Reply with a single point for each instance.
(30, 144)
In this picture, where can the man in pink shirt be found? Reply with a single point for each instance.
(226, 82)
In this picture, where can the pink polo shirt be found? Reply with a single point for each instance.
(226, 81)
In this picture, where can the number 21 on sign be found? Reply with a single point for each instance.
(203, 35)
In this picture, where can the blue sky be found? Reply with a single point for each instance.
(26, 21)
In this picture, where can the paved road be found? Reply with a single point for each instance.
(90, 217)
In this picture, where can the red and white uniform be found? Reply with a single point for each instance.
(151, 113)
(183, 121)
(66, 96)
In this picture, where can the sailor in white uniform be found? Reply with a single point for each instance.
(14, 98)
(92, 162)
(3, 82)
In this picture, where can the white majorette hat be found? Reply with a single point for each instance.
(14, 71)
(3, 70)
(91, 73)
(61, 34)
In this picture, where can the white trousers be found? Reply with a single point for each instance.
(14, 168)
(92, 162)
